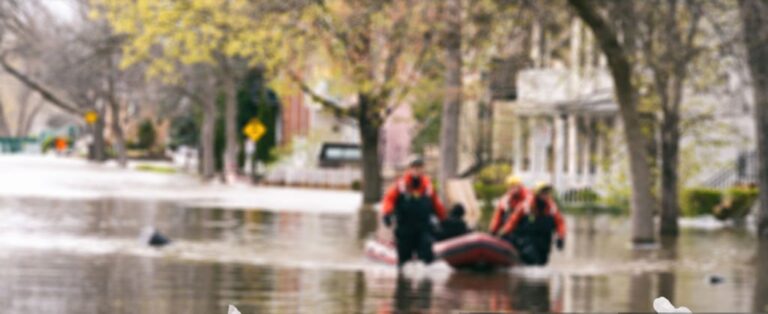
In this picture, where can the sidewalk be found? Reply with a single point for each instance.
(70, 178)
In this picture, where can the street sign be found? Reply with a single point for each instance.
(254, 129)
(91, 117)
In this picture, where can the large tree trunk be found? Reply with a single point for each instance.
(670, 156)
(117, 131)
(21, 116)
(643, 204)
(4, 129)
(230, 119)
(755, 16)
(207, 137)
(449, 132)
(98, 152)
(29, 119)
(369, 125)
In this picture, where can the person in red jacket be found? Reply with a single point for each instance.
(515, 198)
(530, 230)
(412, 202)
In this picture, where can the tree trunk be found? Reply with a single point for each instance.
(232, 146)
(30, 119)
(755, 16)
(117, 129)
(643, 204)
(449, 132)
(207, 137)
(369, 125)
(98, 152)
(670, 157)
(4, 129)
(21, 117)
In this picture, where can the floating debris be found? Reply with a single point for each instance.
(715, 279)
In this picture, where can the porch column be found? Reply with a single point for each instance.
(600, 156)
(517, 133)
(586, 149)
(572, 147)
(558, 147)
(533, 152)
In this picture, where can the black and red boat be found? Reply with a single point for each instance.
(475, 250)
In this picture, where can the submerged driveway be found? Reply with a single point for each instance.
(70, 178)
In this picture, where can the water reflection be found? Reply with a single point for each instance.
(410, 297)
(667, 281)
(760, 295)
(287, 262)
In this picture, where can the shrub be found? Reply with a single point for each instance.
(494, 173)
(489, 192)
(699, 201)
(49, 143)
(146, 134)
(585, 195)
(742, 200)
(736, 203)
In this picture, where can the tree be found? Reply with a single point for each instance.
(73, 54)
(754, 14)
(449, 133)
(146, 134)
(220, 35)
(668, 32)
(642, 203)
(377, 48)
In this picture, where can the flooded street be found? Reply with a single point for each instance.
(86, 256)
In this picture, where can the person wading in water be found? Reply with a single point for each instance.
(412, 202)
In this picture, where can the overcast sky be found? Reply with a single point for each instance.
(61, 8)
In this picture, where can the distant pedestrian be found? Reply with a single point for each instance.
(60, 143)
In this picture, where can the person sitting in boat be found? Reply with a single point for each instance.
(412, 203)
(530, 229)
(515, 198)
(455, 225)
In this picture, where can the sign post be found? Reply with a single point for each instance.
(254, 130)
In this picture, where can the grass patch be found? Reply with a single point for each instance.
(156, 168)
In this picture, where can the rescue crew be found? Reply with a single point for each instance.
(515, 198)
(412, 203)
(530, 230)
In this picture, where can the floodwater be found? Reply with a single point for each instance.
(75, 256)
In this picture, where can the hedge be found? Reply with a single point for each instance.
(699, 201)
(736, 203)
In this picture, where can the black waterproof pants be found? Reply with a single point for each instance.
(410, 242)
(533, 251)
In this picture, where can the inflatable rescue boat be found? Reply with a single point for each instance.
(475, 250)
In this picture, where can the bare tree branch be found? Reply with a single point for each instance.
(415, 70)
(325, 102)
(47, 94)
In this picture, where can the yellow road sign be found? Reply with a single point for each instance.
(91, 117)
(254, 129)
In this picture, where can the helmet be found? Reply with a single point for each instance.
(513, 180)
(542, 185)
(415, 161)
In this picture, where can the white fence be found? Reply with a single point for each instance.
(315, 177)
